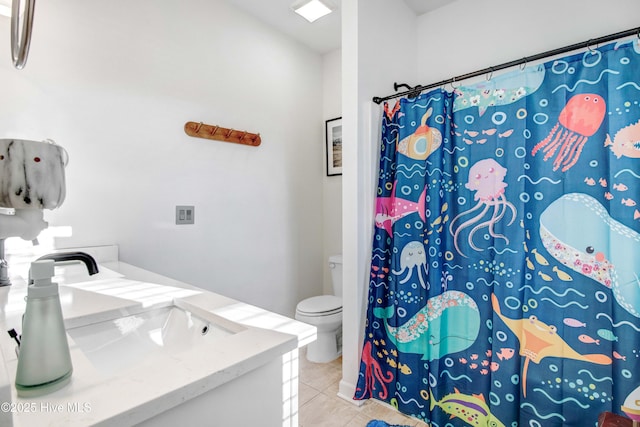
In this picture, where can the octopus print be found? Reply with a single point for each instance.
(486, 178)
(579, 119)
(373, 374)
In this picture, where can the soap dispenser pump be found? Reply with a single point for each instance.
(44, 361)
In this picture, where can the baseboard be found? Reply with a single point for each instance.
(346, 391)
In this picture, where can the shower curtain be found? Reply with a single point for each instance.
(504, 286)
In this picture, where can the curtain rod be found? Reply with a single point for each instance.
(416, 90)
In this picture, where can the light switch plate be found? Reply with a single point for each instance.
(185, 214)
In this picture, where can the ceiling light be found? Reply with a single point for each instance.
(311, 9)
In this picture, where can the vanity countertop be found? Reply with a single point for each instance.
(137, 393)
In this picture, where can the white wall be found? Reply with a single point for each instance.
(114, 83)
(382, 46)
(332, 185)
(371, 59)
(470, 35)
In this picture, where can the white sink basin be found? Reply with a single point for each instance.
(126, 342)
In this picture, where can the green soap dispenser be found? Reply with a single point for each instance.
(44, 361)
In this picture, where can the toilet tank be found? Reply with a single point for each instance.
(335, 264)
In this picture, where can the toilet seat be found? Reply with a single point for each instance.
(323, 305)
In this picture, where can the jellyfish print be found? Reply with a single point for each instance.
(413, 255)
(486, 178)
(579, 119)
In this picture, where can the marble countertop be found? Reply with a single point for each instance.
(134, 395)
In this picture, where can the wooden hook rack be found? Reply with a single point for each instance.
(201, 130)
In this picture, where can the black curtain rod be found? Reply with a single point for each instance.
(416, 90)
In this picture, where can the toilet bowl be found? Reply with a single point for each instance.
(325, 313)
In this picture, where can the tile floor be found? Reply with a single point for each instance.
(320, 406)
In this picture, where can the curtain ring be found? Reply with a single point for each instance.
(490, 74)
(590, 48)
(453, 80)
(523, 64)
(20, 43)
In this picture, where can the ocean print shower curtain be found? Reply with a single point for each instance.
(504, 286)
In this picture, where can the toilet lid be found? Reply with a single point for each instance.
(321, 305)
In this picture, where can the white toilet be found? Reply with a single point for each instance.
(325, 313)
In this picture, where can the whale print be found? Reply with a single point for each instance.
(447, 324)
(539, 340)
(596, 246)
(502, 90)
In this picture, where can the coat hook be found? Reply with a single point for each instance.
(203, 130)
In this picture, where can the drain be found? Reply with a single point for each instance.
(204, 330)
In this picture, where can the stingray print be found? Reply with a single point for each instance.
(539, 340)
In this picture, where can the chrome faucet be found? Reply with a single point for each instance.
(92, 266)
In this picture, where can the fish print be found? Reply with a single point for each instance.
(471, 408)
(607, 335)
(405, 369)
(545, 277)
(619, 356)
(626, 141)
(588, 340)
(574, 323)
(561, 274)
(505, 134)
(530, 264)
(539, 257)
(506, 353)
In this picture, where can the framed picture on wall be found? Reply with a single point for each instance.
(334, 146)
